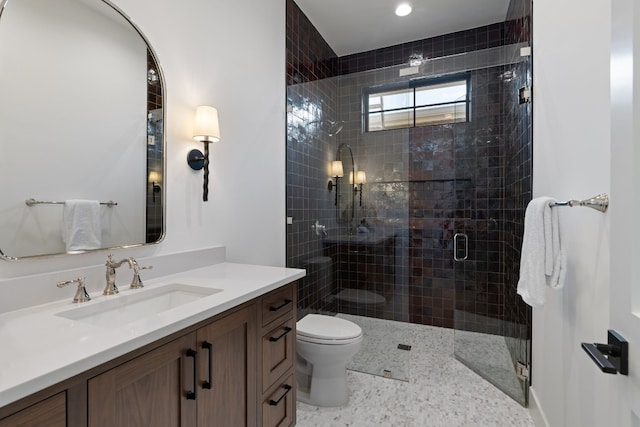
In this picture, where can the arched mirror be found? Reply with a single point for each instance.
(345, 205)
(81, 118)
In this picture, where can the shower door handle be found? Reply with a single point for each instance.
(455, 246)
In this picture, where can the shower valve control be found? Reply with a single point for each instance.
(319, 228)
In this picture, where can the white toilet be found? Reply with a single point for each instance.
(325, 344)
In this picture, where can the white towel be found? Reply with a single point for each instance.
(543, 260)
(81, 227)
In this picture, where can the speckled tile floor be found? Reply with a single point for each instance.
(440, 392)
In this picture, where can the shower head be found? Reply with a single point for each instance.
(333, 128)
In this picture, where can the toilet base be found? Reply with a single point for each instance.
(327, 386)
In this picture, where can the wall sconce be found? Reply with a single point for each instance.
(205, 130)
(154, 179)
(337, 172)
(361, 178)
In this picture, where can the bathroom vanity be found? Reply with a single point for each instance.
(224, 357)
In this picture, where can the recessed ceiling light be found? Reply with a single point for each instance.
(403, 9)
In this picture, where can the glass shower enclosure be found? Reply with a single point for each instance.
(420, 227)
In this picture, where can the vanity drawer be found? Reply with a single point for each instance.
(278, 352)
(277, 303)
(279, 405)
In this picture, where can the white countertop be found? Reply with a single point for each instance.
(40, 348)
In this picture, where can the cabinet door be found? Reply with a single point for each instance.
(50, 412)
(150, 390)
(227, 385)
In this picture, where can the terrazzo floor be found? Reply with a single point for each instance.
(439, 392)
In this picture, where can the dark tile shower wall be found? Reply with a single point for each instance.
(309, 57)
(412, 187)
(311, 97)
(448, 44)
(424, 185)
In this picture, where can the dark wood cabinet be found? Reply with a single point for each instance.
(150, 390)
(276, 358)
(50, 412)
(227, 374)
(205, 378)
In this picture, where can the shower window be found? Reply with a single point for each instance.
(417, 103)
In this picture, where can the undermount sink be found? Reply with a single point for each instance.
(122, 309)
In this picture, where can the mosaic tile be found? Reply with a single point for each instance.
(440, 392)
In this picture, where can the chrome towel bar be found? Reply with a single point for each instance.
(32, 201)
(599, 203)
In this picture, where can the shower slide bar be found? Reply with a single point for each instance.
(599, 203)
(32, 201)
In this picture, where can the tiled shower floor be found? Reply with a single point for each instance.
(438, 390)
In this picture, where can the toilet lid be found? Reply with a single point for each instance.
(327, 327)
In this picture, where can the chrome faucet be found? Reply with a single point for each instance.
(81, 292)
(136, 282)
(111, 288)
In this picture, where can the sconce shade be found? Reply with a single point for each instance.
(361, 177)
(336, 169)
(207, 127)
(154, 177)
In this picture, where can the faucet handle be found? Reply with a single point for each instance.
(81, 292)
(136, 282)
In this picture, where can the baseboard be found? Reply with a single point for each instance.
(539, 419)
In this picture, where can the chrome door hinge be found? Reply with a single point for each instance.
(522, 371)
(525, 94)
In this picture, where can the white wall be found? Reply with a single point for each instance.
(229, 54)
(571, 160)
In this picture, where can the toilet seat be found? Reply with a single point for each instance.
(321, 329)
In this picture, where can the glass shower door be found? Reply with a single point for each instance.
(492, 326)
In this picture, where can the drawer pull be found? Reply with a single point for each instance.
(284, 304)
(192, 395)
(286, 331)
(287, 389)
(208, 346)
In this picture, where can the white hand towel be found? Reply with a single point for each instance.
(543, 261)
(81, 228)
